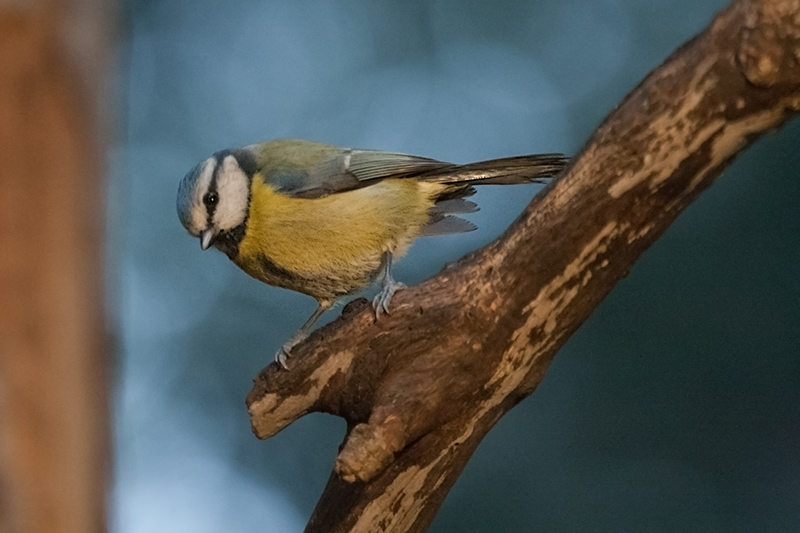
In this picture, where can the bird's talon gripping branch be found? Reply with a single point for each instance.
(388, 287)
(282, 356)
(384, 298)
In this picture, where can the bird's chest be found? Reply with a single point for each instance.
(332, 244)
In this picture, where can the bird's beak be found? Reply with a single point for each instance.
(207, 238)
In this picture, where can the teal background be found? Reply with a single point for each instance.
(675, 407)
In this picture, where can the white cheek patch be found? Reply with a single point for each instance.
(199, 215)
(233, 188)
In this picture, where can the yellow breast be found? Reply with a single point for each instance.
(332, 244)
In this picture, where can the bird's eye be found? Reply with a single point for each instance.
(210, 198)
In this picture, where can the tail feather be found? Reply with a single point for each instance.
(461, 178)
(453, 206)
(445, 225)
(537, 168)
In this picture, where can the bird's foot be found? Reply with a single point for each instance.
(285, 352)
(283, 355)
(381, 301)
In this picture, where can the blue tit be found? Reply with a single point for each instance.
(327, 221)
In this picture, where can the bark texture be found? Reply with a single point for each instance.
(422, 387)
(53, 386)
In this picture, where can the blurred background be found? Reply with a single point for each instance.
(676, 407)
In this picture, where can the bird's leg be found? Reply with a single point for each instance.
(388, 287)
(286, 350)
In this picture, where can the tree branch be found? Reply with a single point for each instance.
(421, 388)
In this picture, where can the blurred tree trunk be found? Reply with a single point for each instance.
(53, 367)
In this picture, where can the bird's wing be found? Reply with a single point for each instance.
(369, 165)
(353, 169)
(311, 170)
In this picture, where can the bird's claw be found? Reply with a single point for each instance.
(283, 355)
(381, 301)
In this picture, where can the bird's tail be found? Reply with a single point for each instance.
(460, 179)
(537, 168)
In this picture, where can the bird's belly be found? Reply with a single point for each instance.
(332, 246)
(323, 280)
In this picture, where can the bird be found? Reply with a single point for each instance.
(328, 221)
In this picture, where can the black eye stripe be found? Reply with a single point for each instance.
(247, 164)
(211, 197)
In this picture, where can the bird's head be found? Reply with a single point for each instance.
(214, 197)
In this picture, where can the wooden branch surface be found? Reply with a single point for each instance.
(53, 379)
(421, 388)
